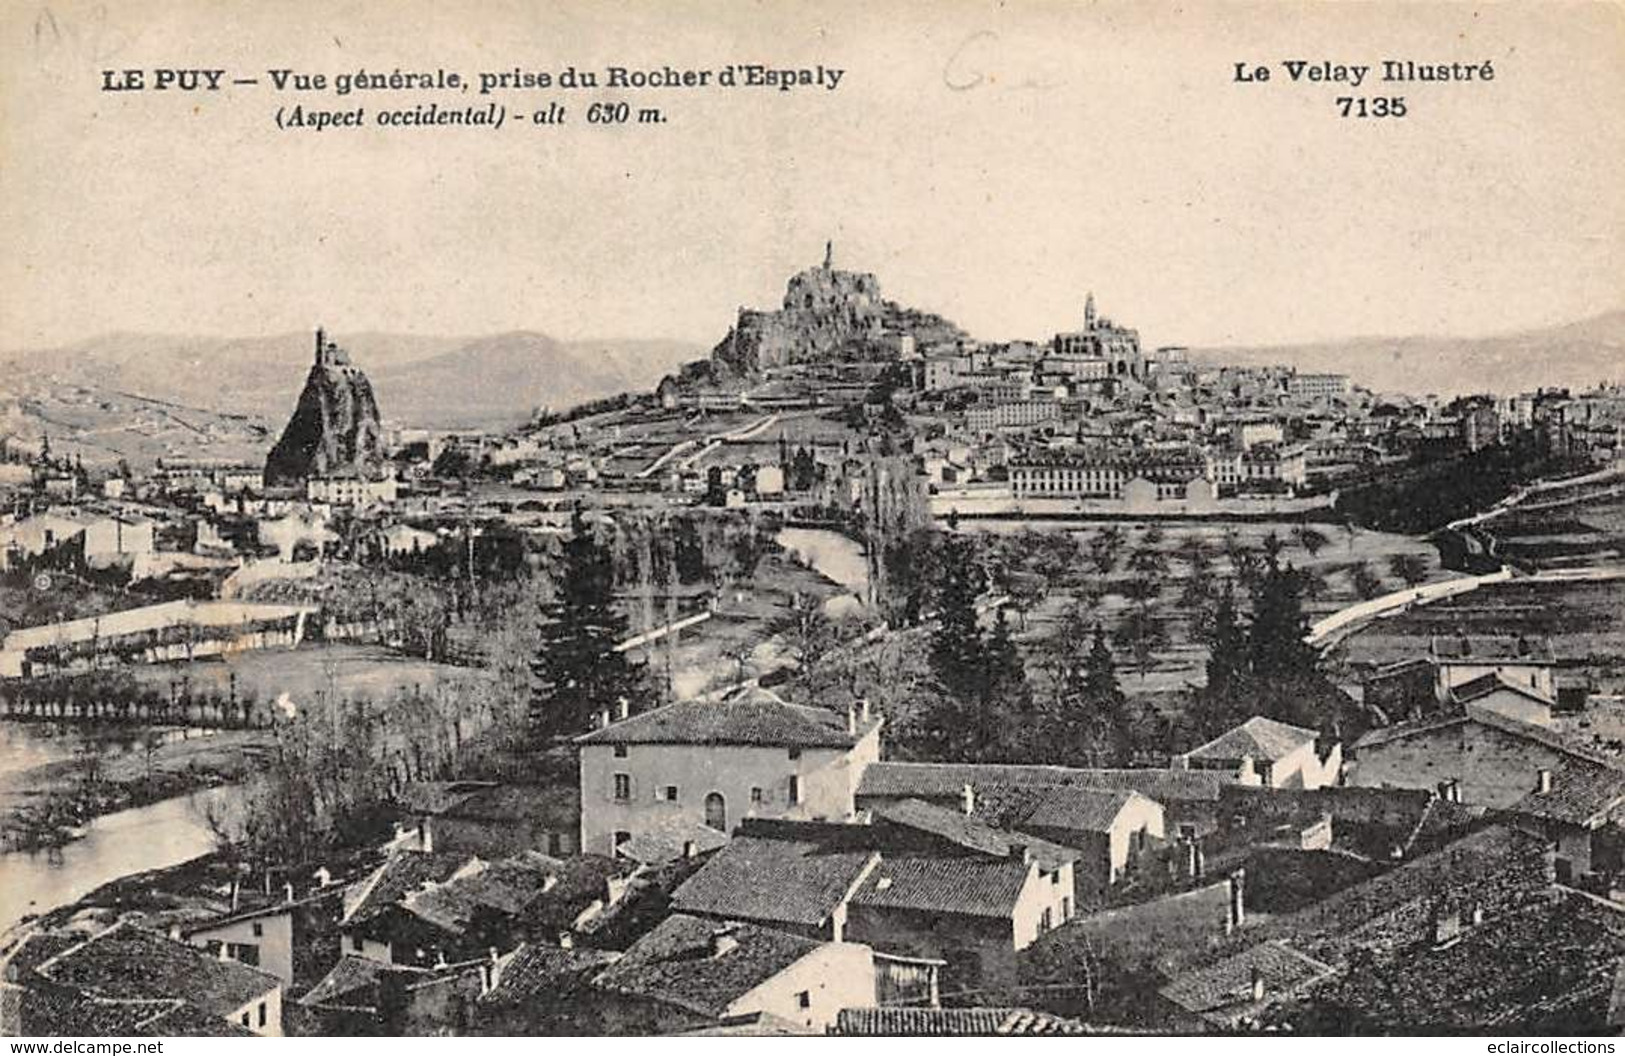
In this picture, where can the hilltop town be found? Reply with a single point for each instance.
(861, 678)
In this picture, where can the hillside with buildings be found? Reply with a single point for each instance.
(1574, 355)
(864, 678)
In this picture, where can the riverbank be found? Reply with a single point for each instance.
(49, 804)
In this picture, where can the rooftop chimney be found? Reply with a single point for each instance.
(425, 836)
(851, 719)
(623, 709)
(1257, 984)
(723, 941)
(863, 710)
(287, 891)
(1543, 781)
(566, 941)
(967, 800)
(236, 892)
(690, 848)
(604, 719)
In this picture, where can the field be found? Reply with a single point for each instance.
(1585, 621)
(1343, 566)
(1569, 525)
(311, 673)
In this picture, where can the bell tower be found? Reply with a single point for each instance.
(1089, 311)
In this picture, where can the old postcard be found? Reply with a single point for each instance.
(849, 519)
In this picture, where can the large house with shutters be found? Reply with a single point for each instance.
(713, 763)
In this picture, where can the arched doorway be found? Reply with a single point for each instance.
(716, 812)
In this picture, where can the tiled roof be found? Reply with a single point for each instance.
(129, 962)
(507, 887)
(950, 1023)
(972, 833)
(1583, 793)
(666, 844)
(751, 716)
(1225, 989)
(352, 982)
(969, 886)
(1326, 929)
(537, 969)
(750, 1025)
(1051, 807)
(1491, 682)
(1401, 730)
(1548, 965)
(1492, 649)
(675, 964)
(778, 880)
(938, 780)
(401, 875)
(58, 1010)
(1258, 738)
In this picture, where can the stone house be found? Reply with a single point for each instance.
(714, 763)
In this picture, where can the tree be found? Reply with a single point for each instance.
(1311, 539)
(1409, 567)
(984, 710)
(577, 672)
(1104, 548)
(1367, 584)
(1275, 641)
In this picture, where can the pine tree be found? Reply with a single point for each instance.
(956, 648)
(1276, 647)
(1227, 647)
(1004, 716)
(577, 673)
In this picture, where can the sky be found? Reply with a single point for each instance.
(989, 161)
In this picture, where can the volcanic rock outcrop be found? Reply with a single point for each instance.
(828, 316)
(335, 429)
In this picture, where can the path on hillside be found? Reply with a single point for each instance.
(707, 444)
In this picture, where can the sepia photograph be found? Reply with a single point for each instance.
(772, 518)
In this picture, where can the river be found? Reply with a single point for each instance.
(128, 841)
(832, 554)
(165, 833)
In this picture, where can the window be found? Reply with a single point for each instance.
(356, 943)
(620, 751)
(1046, 921)
(804, 999)
(555, 843)
(756, 796)
(245, 1019)
(615, 841)
(259, 929)
(1066, 909)
(1187, 832)
(795, 753)
(623, 786)
(795, 790)
(670, 794)
(262, 1013)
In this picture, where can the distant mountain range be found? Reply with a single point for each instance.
(420, 381)
(1577, 355)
